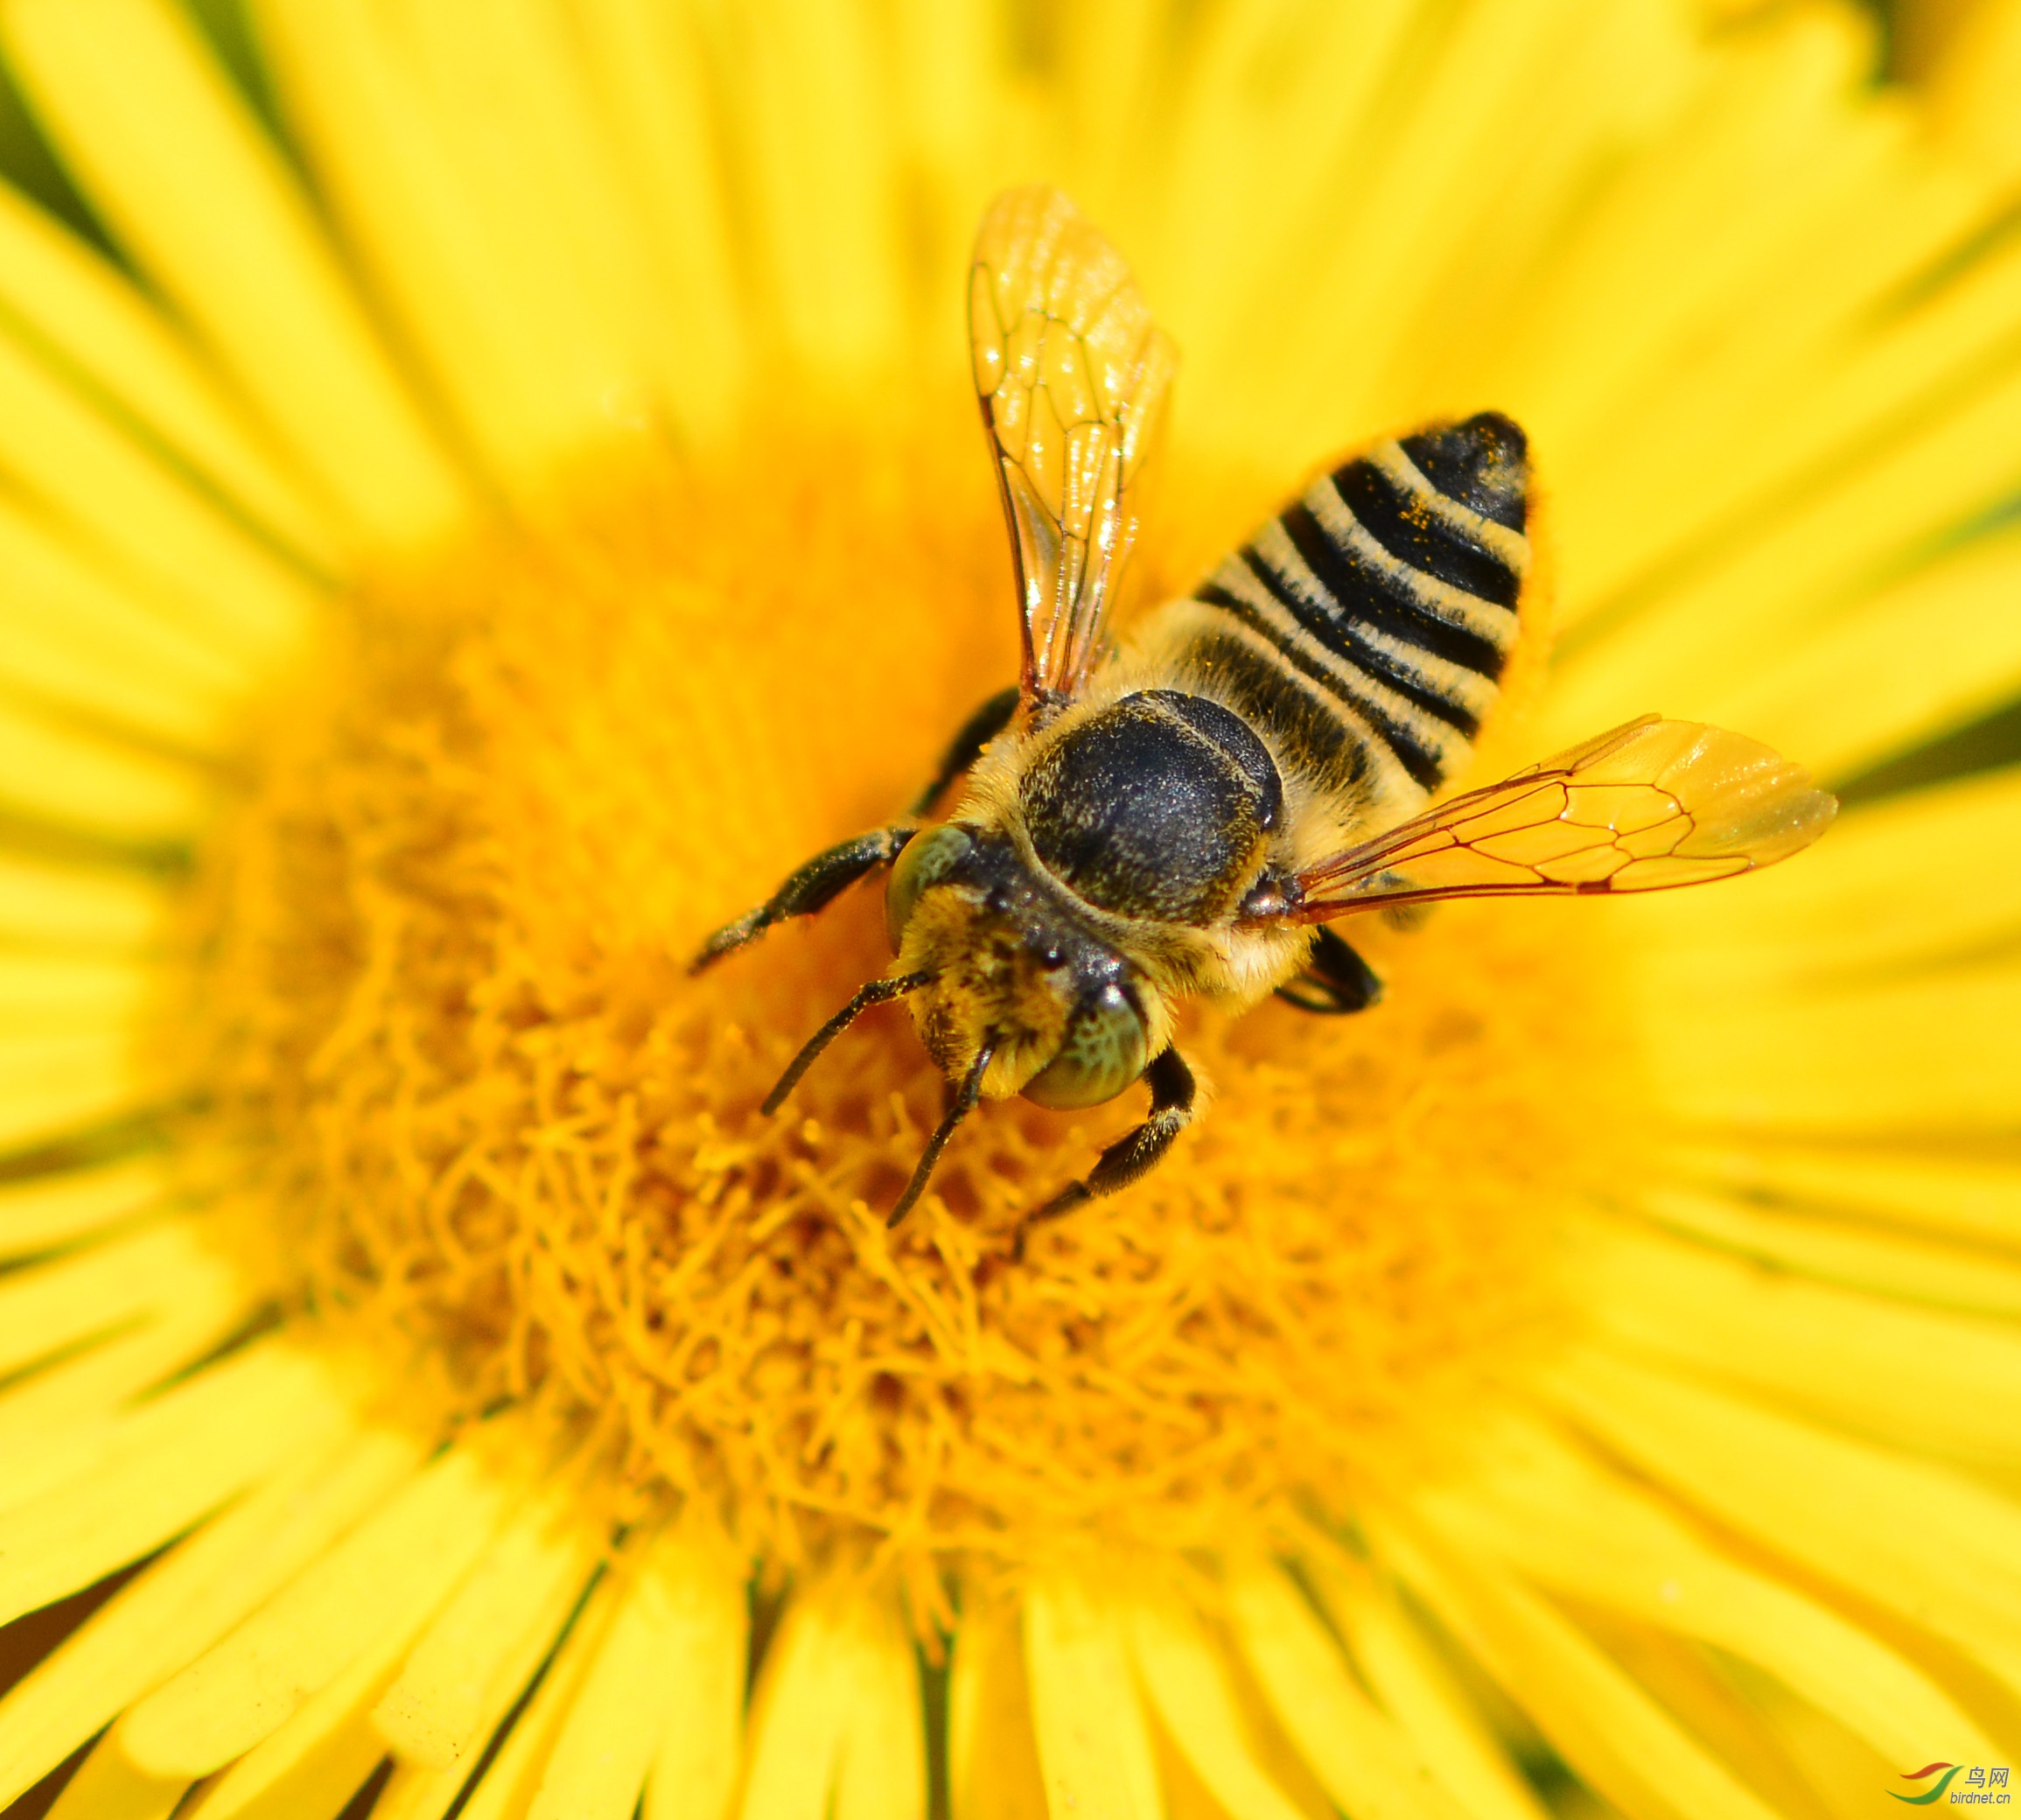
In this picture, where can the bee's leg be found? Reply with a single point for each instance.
(1173, 1102)
(966, 747)
(828, 875)
(812, 887)
(1335, 980)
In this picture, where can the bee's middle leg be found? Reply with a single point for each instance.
(1174, 1101)
(1335, 980)
(824, 878)
(966, 746)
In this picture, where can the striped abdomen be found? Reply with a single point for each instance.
(1364, 629)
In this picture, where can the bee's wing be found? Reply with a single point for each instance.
(1072, 373)
(1651, 805)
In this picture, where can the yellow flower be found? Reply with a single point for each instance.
(500, 490)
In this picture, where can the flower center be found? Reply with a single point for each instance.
(478, 1102)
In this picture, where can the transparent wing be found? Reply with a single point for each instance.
(1072, 373)
(1653, 804)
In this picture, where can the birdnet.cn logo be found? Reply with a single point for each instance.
(1980, 1784)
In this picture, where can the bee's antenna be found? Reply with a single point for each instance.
(958, 1108)
(876, 991)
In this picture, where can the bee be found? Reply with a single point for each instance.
(1184, 816)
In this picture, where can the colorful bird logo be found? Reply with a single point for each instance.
(1931, 1793)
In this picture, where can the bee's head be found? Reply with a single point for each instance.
(1062, 1013)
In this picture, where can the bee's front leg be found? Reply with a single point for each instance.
(812, 887)
(1173, 1102)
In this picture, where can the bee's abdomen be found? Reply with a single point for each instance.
(1384, 600)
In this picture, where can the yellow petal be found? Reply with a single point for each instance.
(180, 1605)
(53, 1087)
(1764, 597)
(993, 1771)
(66, 1408)
(471, 233)
(1874, 897)
(1273, 110)
(1932, 1052)
(52, 1305)
(1920, 1379)
(57, 774)
(38, 1213)
(665, 1666)
(1359, 1757)
(512, 1776)
(385, 1577)
(1939, 1192)
(414, 1792)
(1943, 638)
(109, 1788)
(647, 64)
(1189, 1689)
(180, 168)
(176, 1457)
(1943, 1552)
(208, 576)
(47, 905)
(827, 1693)
(309, 1767)
(1972, 87)
(694, 1773)
(1441, 1720)
(814, 115)
(1554, 1513)
(1608, 1728)
(1834, 1250)
(79, 637)
(96, 321)
(478, 1650)
(881, 1767)
(1094, 1746)
(69, 993)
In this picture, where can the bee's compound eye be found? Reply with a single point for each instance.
(926, 859)
(1102, 1054)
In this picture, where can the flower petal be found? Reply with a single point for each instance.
(827, 1690)
(1920, 1379)
(1094, 1746)
(1359, 1757)
(1944, 1276)
(190, 182)
(93, 318)
(38, 1213)
(1443, 1722)
(1552, 1512)
(480, 1648)
(670, 1663)
(66, 777)
(381, 1582)
(47, 1307)
(993, 1771)
(1913, 1538)
(180, 1606)
(1189, 1690)
(816, 148)
(1941, 1194)
(168, 1463)
(513, 1775)
(1608, 1728)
